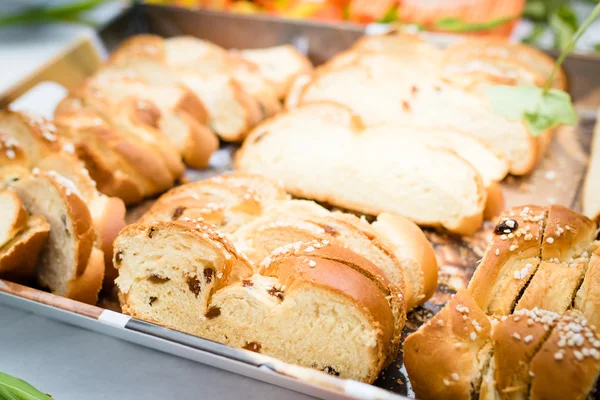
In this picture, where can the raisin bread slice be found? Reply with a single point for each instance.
(356, 172)
(269, 315)
(19, 257)
(13, 216)
(70, 264)
(280, 65)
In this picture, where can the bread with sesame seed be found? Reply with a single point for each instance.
(163, 278)
(510, 260)
(121, 165)
(70, 263)
(567, 365)
(355, 174)
(13, 161)
(446, 357)
(565, 254)
(46, 151)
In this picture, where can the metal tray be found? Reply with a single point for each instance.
(557, 179)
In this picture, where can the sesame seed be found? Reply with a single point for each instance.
(497, 252)
(473, 336)
(528, 338)
(454, 376)
(312, 264)
(309, 249)
(446, 382)
(550, 240)
(578, 355)
(512, 247)
(516, 336)
(558, 356)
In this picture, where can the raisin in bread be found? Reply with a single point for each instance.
(538, 257)
(266, 314)
(531, 354)
(364, 173)
(71, 265)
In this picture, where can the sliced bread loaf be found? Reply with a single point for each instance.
(363, 173)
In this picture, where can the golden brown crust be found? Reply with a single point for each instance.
(510, 260)
(11, 153)
(517, 338)
(139, 46)
(81, 219)
(19, 257)
(445, 357)
(568, 364)
(18, 220)
(588, 296)
(200, 144)
(85, 287)
(412, 249)
(567, 235)
(337, 277)
(108, 224)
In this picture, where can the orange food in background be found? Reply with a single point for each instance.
(426, 13)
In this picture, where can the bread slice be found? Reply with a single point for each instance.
(69, 266)
(446, 357)
(182, 114)
(138, 120)
(19, 257)
(280, 65)
(295, 91)
(523, 56)
(120, 164)
(409, 99)
(510, 261)
(567, 365)
(414, 253)
(191, 261)
(588, 295)
(590, 198)
(13, 217)
(376, 180)
(565, 256)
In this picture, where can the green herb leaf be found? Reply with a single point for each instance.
(457, 25)
(536, 33)
(18, 389)
(536, 10)
(540, 110)
(390, 16)
(57, 13)
(564, 24)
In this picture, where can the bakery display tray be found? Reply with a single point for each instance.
(557, 179)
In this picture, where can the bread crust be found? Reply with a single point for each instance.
(86, 287)
(412, 249)
(494, 286)
(444, 358)
(17, 220)
(337, 277)
(495, 202)
(588, 295)
(571, 374)
(20, 256)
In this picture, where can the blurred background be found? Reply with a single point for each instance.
(544, 23)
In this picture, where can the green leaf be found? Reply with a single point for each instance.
(457, 25)
(564, 24)
(57, 13)
(536, 10)
(534, 36)
(18, 389)
(390, 16)
(597, 47)
(540, 110)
